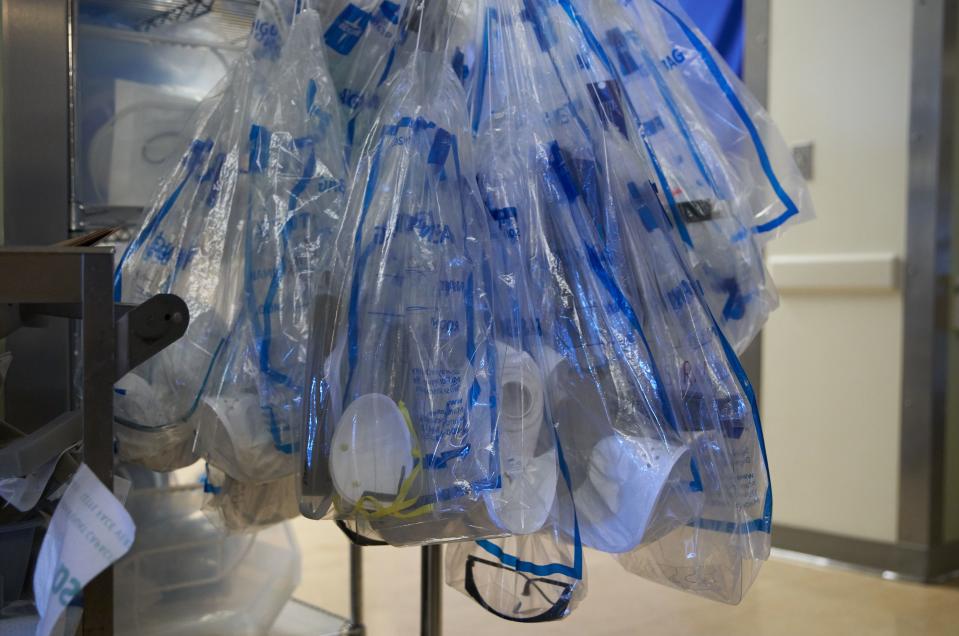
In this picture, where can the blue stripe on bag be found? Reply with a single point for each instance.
(791, 209)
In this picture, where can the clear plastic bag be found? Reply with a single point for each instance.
(711, 98)
(236, 231)
(525, 578)
(538, 574)
(295, 179)
(187, 244)
(709, 198)
(656, 421)
(707, 526)
(712, 194)
(361, 37)
(238, 506)
(184, 247)
(602, 385)
(402, 408)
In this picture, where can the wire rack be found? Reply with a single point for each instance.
(232, 17)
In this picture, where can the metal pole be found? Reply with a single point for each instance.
(925, 285)
(756, 76)
(99, 370)
(431, 586)
(356, 591)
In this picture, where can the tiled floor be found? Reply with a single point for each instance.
(789, 598)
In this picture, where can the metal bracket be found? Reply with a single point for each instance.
(142, 331)
(148, 329)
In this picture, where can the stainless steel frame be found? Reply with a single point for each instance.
(906, 561)
(99, 373)
(36, 192)
(356, 628)
(756, 53)
(926, 292)
(756, 77)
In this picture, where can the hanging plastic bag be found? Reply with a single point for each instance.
(534, 578)
(604, 392)
(716, 550)
(245, 229)
(538, 574)
(188, 244)
(295, 180)
(185, 247)
(402, 408)
(688, 67)
(590, 349)
(710, 203)
(361, 37)
(296, 183)
(240, 506)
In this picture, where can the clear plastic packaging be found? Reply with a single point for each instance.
(656, 420)
(190, 243)
(361, 38)
(709, 198)
(239, 506)
(718, 109)
(296, 174)
(402, 407)
(710, 194)
(534, 578)
(714, 486)
(236, 231)
(186, 576)
(538, 574)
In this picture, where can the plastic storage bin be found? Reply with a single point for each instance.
(184, 576)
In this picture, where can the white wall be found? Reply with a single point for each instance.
(840, 77)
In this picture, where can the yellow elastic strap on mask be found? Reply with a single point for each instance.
(371, 508)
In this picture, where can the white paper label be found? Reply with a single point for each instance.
(89, 531)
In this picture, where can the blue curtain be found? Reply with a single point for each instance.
(722, 22)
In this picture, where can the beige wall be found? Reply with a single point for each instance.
(840, 77)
